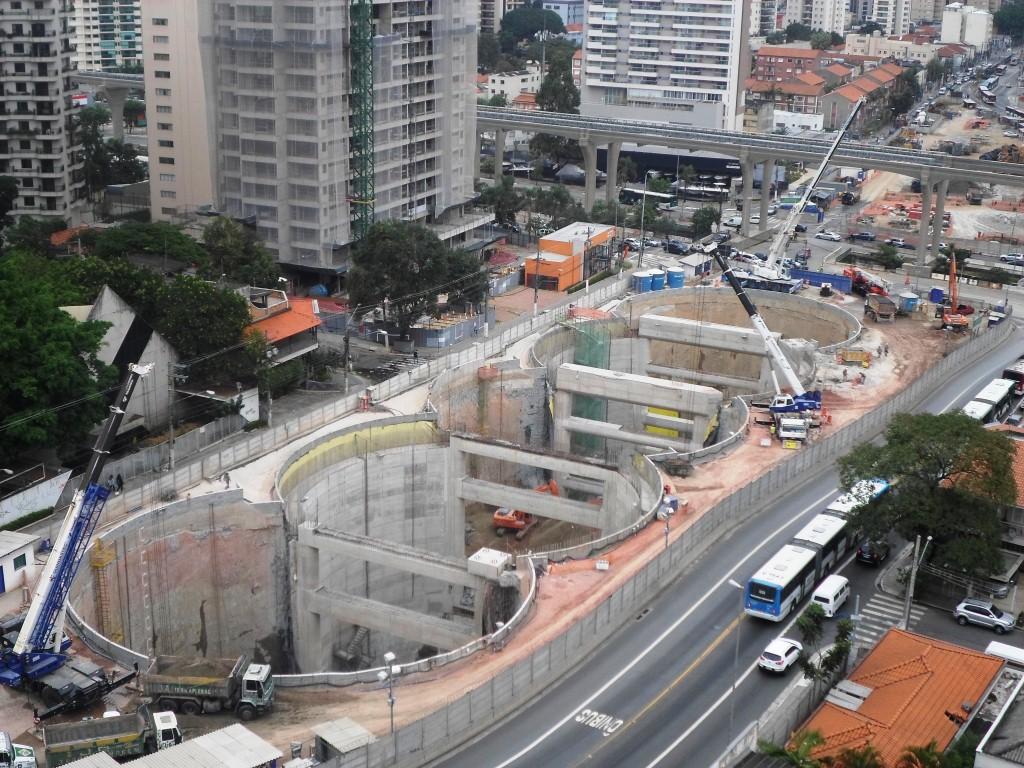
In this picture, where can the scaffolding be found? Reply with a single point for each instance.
(593, 349)
(361, 64)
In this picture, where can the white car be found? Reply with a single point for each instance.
(826, 234)
(1010, 134)
(780, 655)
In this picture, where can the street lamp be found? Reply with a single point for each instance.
(387, 675)
(170, 411)
(643, 210)
(735, 661)
(918, 558)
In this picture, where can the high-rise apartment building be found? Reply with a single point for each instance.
(825, 15)
(682, 63)
(892, 15)
(178, 109)
(285, 122)
(107, 34)
(37, 142)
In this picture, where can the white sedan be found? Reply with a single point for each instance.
(780, 655)
(1010, 134)
(826, 234)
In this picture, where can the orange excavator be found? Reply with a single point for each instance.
(953, 316)
(506, 519)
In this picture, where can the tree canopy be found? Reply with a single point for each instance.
(404, 267)
(524, 22)
(558, 93)
(1009, 19)
(49, 361)
(236, 252)
(905, 92)
(8, 194)
(950, 476)
(152, 239)
(704, 220)
(797, 31)
(504, 199)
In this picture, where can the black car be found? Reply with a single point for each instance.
(869, 236)
(800, 228)
(872, 552)
(721, 237)
(677, 247)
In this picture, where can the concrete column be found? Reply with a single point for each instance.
(499, 152)
(940, 208)
(116, 98)
(590, 174)
(476, 157)
(768, 172)
(563, 410)
(612, 183)
(922, 226)
(748, 189)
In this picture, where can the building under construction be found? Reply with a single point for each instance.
(332, 115)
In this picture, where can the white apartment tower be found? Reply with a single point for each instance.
(825, 15)
(178, 108)
(37, 145)
(107, 34)
(649, 60)
(892, 15)
(285, 118)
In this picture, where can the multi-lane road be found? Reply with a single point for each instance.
(660, 691)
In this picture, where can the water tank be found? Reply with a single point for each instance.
(645, 281)
(657, 279)
(936, 295)
(675, 277)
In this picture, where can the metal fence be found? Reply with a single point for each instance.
(468, 715)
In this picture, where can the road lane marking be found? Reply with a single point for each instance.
(606, 724)
(661, 638)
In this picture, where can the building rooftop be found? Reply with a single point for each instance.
(1005, 739)
(300, 315)
(891, 68)
(787, 87)
(850, 92)
(810, 78)
(839, 69)
(344, 734)
(789, 51)
(232, 747)
(910, 690)
(578, 230)
(12, 541)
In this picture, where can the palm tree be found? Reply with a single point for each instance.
(921, 757)
(862, 757)
(798, 751)
(687, 175)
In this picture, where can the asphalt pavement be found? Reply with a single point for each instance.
(668, 675)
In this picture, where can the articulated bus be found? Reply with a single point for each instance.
(1015, 373)
(775, 590)
(704, 192)
(987, 96)
(628, 196)
(994, 402)
(1014, 112)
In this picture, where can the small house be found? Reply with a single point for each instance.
(17, 560)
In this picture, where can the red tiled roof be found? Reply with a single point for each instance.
(483, 79)
(573, 27)
(951, 49)
(810, 78)
(866, 84)
(892, 69)
(578, 55)
(64, 236)
(850, 92)
(1018, 456)
(299, 317)
(525, 98)
(787, 87)
(839, 69)
(916, 683)
(789, 52)
(881, 76)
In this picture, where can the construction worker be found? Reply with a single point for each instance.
(771, 431)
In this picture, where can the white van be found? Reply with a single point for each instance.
(831, 594)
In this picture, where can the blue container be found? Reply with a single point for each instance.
(641, 282)
(909, 302)
(675, 277)
(936, 295)
(657, 280)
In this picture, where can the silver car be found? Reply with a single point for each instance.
(983, 613)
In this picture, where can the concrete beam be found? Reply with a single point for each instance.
(668, 422)
(389, 554)
(494, 449)
(637, 389)
(616, 432)
(681, 330)
(401, 622)
(543, 504)
(702, 377)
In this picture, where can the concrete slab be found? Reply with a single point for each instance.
(496, 449)
(616, 432)
(684, 331)
(545, 505)
(637, 389)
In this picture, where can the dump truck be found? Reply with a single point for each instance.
(193, 686)
(120, 736)
(880, 308)
(15, 755)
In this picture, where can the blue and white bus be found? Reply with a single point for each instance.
(860, 494)
(999, 393)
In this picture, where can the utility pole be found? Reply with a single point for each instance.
(913, 577)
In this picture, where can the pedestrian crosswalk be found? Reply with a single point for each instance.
(880, 614)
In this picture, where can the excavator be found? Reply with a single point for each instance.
(507, 519)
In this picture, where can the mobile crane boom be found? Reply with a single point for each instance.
(37, 651)
(778, 249)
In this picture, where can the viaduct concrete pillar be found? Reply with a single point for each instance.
(940, 209)
(748, 188)
(922, 225)
(476, 157)
(499, 152)
(612, 183)
(590, 174)
(767, 175)
(116, 97)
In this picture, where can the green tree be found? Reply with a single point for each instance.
(704, 220)
(49, 360)
(798, 753)
(887, 256)
(152, 239)
(961, 754)
(32, 235)
(504, 199)
(558, 93)
(935, 70)
(905, 92)
(858, 757)
(797, 31)
(555, 202)
(400, 266)
(551, 51)
(467, 279)
(929, 756)
(526, 21)
(496, 100)
(775, 38)
(940, 465)
(645, 212)
(687, 175)
(1009, 20)
(659, 184)
(628, 172)
(238, 253)
(124, 166)
(870, 27)
(8, 194)
(821, 40)
(487, 51)
(134, 112)
(89, 122)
